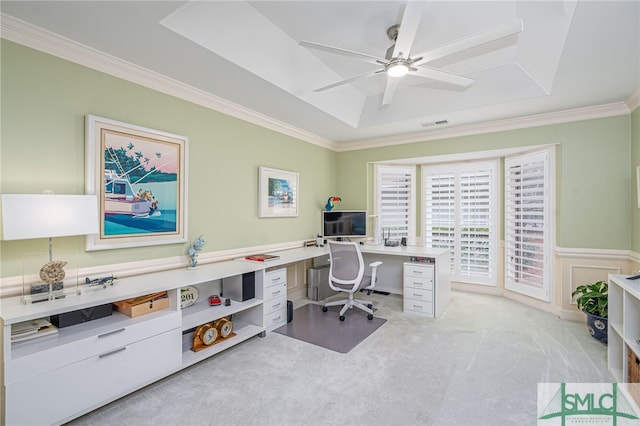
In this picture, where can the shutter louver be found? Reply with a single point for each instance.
(395, 202)
(525, 230)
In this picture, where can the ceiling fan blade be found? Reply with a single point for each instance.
(348, 80)
(390, 90)
(408, 27)
(369, 58)
(439, 75)
(473, 40)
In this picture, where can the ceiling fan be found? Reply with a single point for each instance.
(398, 60)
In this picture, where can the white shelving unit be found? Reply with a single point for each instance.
(624, 324)
(93, 363)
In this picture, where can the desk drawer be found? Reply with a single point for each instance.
(275, 277)
(276, 291)
(60, 393)
(418, 282)
(418, 306)
(418, 270)
(276, 318)
(418, 294)
(274, 305)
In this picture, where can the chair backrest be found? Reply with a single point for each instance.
(347, 264)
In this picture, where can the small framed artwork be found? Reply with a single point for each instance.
(277, 193)
(140, 177)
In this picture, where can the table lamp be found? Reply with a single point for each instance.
(28, 216)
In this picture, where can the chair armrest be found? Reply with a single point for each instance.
(374, 269)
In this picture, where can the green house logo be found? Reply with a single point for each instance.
(584, 403)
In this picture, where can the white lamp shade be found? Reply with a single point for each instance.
(26, 216)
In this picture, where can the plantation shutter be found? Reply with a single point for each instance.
(460, 214)
(476, 215)
(395, 203)
(440, 212)
(527, 242)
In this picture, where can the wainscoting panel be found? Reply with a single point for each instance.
(585, 266)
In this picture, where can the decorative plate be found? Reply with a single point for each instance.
(188, 296)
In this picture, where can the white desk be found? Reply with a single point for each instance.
(391, 272)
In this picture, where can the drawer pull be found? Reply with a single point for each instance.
(274, 279)
(417, 272)
(277, 318)
(417, 295)
(110, 333)
(277, 305)
(275, 292)
(418, 307)
(112, 352)
(418, 284)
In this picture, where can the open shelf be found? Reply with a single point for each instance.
(201, 312)
(624, 324)
(243, 331)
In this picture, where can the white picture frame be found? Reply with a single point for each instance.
(140, 178)
(278, 192)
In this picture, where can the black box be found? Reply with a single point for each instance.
(81, 315)
(240, 287)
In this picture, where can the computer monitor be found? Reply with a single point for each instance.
(344, 223)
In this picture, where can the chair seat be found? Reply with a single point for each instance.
(366, 282)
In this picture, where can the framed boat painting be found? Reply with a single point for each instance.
(140, 177)
(277, 193)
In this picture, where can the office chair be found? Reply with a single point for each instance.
(346, 274)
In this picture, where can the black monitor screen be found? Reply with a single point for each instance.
(345, 223)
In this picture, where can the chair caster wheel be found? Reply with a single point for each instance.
(324, 309)
(370, 317)
(370, 306)
(341, 317)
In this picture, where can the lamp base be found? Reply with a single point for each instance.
(49, 282)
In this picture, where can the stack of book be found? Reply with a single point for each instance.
(31, 330)
(262, 257)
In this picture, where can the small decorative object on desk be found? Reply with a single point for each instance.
(329, 206)
(388, 242)
(262, 257)
(194, 249)
(188, 296)
(142, 305)
(100, 282)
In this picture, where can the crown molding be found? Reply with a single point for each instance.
(633, 101)
(37, 38)
(559, 117)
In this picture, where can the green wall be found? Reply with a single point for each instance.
(44, 103)
(45, 100)
(592, 171)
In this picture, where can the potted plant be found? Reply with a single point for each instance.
(593, 300)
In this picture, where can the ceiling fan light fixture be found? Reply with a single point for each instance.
(397, 69)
